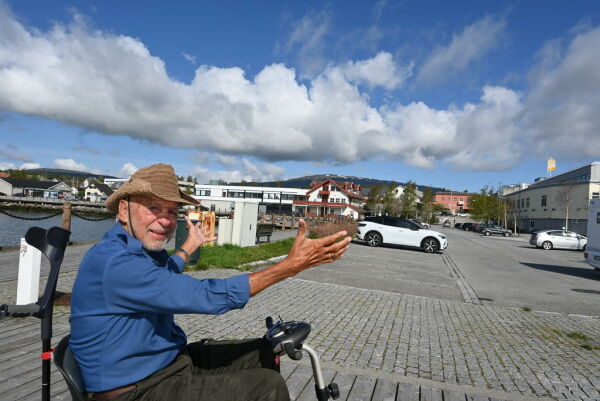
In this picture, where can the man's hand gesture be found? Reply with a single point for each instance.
(305, 253)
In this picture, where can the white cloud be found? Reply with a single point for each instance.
(128, 169)
(190, 58)
(474, 42)
(377, 71)
(70, 164)
(238, 170)
(7, 166)
(26, 166)
(561, 114)
(69, 74)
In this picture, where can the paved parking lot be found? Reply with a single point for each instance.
(511, 272)
(451, 320)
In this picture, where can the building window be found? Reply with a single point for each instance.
(595, 195)
(544, 200)
(527, 202)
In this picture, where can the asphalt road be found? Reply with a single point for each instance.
(511, 272)
(502, 271)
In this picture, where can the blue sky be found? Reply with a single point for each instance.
(450, 94)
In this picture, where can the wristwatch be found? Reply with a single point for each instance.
(187, 255)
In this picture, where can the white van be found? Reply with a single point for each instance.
(592, 252)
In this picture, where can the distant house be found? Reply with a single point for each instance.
(455, 202)
(332, 198)
(97, 192)
(37, 189)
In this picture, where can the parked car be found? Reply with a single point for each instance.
(549, 239)
(420, 223)
(446, 223)
(458, 225)
(490, 229)
(398, 231)
(467, 226)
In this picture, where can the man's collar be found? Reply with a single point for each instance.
(130, 241)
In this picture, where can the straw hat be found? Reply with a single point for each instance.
(158, 180)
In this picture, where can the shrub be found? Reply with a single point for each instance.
(325, 229)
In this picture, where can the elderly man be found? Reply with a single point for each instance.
(128, 288)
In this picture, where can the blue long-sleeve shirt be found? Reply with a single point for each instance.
(122, 306)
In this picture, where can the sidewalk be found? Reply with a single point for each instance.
(377, 345)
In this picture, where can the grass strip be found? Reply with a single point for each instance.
(230, 256)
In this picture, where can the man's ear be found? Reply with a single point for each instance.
(123, 214)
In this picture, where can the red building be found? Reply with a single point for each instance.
(456, 202)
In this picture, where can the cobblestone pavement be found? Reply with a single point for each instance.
(375, 331)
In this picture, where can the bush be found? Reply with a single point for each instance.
(325, 229)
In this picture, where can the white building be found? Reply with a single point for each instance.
(556, 202)
(332, 198)
(269, 199)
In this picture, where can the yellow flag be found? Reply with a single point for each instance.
(551, 164)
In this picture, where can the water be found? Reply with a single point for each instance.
(12, 230)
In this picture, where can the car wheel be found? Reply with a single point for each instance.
(373, 239)
(487, 233)
(430, 245)
(583, 249)
(507, 234)
(547, 245)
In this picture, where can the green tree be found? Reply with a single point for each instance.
(409, 200)
(487, 205)
(391, 204)
(427, 206)
(374, 199)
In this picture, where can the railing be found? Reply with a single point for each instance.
(289, 221)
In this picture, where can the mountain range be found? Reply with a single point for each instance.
(365, 183)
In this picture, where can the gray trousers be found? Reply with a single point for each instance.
(216, 370)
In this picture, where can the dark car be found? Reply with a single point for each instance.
(467, 226)
(458, 225)
(490, 229)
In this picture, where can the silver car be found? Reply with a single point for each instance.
(561, 239)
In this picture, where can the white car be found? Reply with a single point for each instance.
(397, 231)
(562, 239)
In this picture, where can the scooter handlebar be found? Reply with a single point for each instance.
(292, 352)
(19, 310)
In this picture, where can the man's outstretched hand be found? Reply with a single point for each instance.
(305, 253)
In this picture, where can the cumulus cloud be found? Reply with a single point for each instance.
(128, 169)
(26, 166)
(69, 74)
(473, 43)
(7, 166)
(239, 170)
(562, 106)
(70, 164)
(380, 70)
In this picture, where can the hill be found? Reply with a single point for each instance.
(64, 173)
(304, 182)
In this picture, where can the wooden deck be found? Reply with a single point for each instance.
(20, 374)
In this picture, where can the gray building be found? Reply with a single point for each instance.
(39, 189)
(555, 202)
